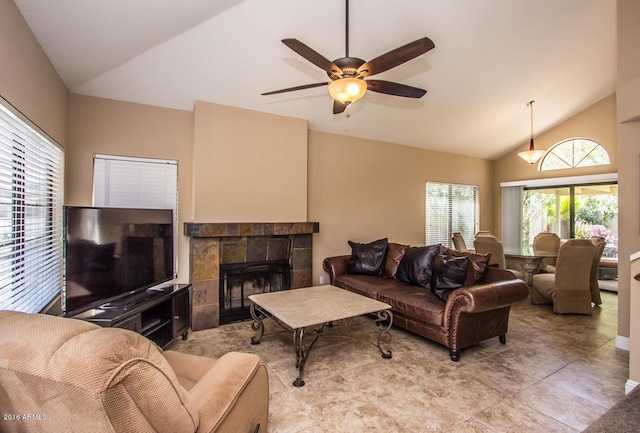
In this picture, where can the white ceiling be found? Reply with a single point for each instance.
(491, 58)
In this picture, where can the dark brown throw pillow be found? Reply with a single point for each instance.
(395, 253)
(449, 273)
(367, 259)
(479, 265)
(417, 265)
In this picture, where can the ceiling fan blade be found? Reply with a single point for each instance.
(338, 107)
(395, 89)
(395, 57)
(291, 89)
(313, 56)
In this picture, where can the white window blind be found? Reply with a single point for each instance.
(31, 196)
(450, 208)
(135, 182)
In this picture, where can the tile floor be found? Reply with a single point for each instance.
(557, 373)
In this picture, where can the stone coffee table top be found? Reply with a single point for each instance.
(300, 308)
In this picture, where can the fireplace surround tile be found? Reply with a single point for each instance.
(216, 243)
(257, 248)
(278, 248)
(205, 317)
(205, 292)
(205, 259)
(234, 251)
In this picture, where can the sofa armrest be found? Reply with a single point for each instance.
(336, 266)
(486, 297)
(497, 274)
(233, 396)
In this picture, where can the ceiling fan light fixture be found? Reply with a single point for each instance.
(532, 155)
(347, 90)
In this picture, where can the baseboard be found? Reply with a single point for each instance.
(629, 385)
(623, 343)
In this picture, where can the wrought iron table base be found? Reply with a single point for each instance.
(383, 323)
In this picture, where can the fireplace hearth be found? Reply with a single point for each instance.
(257, 251)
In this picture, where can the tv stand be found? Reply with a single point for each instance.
(160, 314)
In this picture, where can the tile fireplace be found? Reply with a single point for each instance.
(230, 261)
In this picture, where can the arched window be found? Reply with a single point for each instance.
(575, 152)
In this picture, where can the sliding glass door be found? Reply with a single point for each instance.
(572, 211)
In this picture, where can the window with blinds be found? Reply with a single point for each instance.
(135, 182)
(31, 198)
(142, 183)
(450, 208)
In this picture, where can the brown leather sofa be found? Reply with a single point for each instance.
(470, 315)
(64, 375)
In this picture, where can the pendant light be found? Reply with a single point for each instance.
(532, 155)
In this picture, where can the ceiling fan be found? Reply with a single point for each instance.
(347, 73)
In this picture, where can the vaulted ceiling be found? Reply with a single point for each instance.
(490, 58)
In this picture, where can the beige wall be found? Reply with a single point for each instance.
(629, 151)
(27, 79)
(363, 190)
(120, 128)
(248, 166)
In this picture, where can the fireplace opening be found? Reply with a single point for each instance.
(240, 280)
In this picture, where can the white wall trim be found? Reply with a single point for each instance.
(623, 343)
(629, 385)
(569, 180)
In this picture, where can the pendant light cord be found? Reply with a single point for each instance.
(530, 104)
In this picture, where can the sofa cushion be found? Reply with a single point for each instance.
(367, 285)
(417, 265)
(415, 302)
(479, 265)
(367, 259)
(449, 273)
(395, 253)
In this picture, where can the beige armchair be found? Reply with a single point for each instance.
(569, 288)
(600, 243)
(547, 244)
(70, 375)
(489, 244)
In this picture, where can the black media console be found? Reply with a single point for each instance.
(161, 314)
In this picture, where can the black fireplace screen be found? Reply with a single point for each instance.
(240, 280)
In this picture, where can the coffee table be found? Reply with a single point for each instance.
(297, 309)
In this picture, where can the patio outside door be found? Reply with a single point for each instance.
(574, 211)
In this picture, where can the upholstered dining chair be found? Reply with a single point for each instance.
(489, 244)
(483, 233)
(600, 243)
(458, 242)
(547, 244)
(569, 288)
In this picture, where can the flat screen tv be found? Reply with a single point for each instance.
(111, 253)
